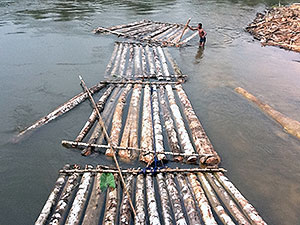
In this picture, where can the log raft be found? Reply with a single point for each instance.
(185, 197)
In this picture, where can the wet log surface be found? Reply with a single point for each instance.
(279, 26)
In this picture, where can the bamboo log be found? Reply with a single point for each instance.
(140, 201)
(117, 60)
(183, 134)
(184, 29)
(202, 142)
(227, 200)
(165, 33)
(126, 25)
(147, 130)
(150, 60)
(125, 211)
(144, 62)
(137, 34)
(216, 205)
(159, 140)
(172, 38)
(247, 208)
(166, 210)
(93, 210)
(77, 208)
(158, 31)
(169, 125)
(164, 62)
(171, 34)
(92, 118)
(151, 202)
(173, 63)
(130, 133)
(67, 106)
(113, 56)
(134, 28)
(52, 199)
(188, 200)
(117, 120)
(206, 213)
(157, 64)
(130, 61)
(289, 125)
(123, 60)
(188, 38)
(111, 205)
(137, 60)
(65, 198)
(175, 200)
(103, 29)
(140, 82)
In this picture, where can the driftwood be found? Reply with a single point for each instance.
(111, 205)
(151, 202)
(247, 208)
(206, 213)
(175, 200)
(291, 126)
(67, 106)
(140, 201)
(125, 211)
(183, 134)
(50, 203)
(208, 155)
(278, 27)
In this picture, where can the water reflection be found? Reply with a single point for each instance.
(199, 55)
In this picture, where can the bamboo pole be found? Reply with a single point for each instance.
(92, 118)
(173, 63)
(159, 140)
(247, 208)
(137, 34)
(113, 56)
(184, 29)
(164, 62)
(150, 60)
(141, 82)
(117, 120)
(158, 31)
(103, 29)
(172, 38)
(64, 108)
(171, 34)
(125, 206)
(111, 205)
(147, 130)
(183, 134)
(227, 200)
(165, 33)
(137, 62)
(206, 213)
(166, 210)
(130, 61)
(117, 60)
(134, 28)
(123, 60)
(52, 199)
(77, 208)
(214, 201)
(140, 218)
(151, 202)
(94, 207)
(188, 38)
(157, 64)
(202, 142)
(66, 195)
(127, 25)
(175, 200)
(144, 62)
(188, 200)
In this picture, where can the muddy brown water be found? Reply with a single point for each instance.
(45, 45)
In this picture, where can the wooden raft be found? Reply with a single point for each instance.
(145, 116)
(174, 196)
(164, 34)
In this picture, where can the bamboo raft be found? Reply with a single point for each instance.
(164, 34)
(171, 196)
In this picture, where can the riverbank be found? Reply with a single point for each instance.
(279, 26)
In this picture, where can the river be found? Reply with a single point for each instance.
(45, 45)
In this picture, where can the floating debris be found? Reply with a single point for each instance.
(279, 26)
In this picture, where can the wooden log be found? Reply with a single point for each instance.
(137, 60)
(113, 56)
(140, 32)
(66, 196)
(79, 202)
(187, 39)
(170, 127)
(289, 125)
(147, 130)
(92, 118)
(206, 213)
(130, 133)
(188, 200)
(158, 31)
(140, 82)
(126, 25)
(164, 62)
(208, 155)
(67, 106)
(171, 34)
(175, 200)
(165, 33)
(175, 36)
(125, 212)
(159, 140)
(144, 62)
(117, 60)
(214, 201)
(149, 53)
(111, 205)
(140, 201)
(227, 200)
(151, 202)
(173, 63)
(166, 210)
(93, 210)
(183, 134)
(123, 60)
(184, 29)
(134, 28)
(52, 199)
(157, 64)
(117, 120)
(247, 208)
(130, 61)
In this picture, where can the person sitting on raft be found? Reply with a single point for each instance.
(201, 32)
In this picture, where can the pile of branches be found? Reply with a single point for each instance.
(279, 26)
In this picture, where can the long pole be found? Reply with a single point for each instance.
(186, 25)
(100, 121)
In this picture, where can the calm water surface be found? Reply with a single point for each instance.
(45, 45)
